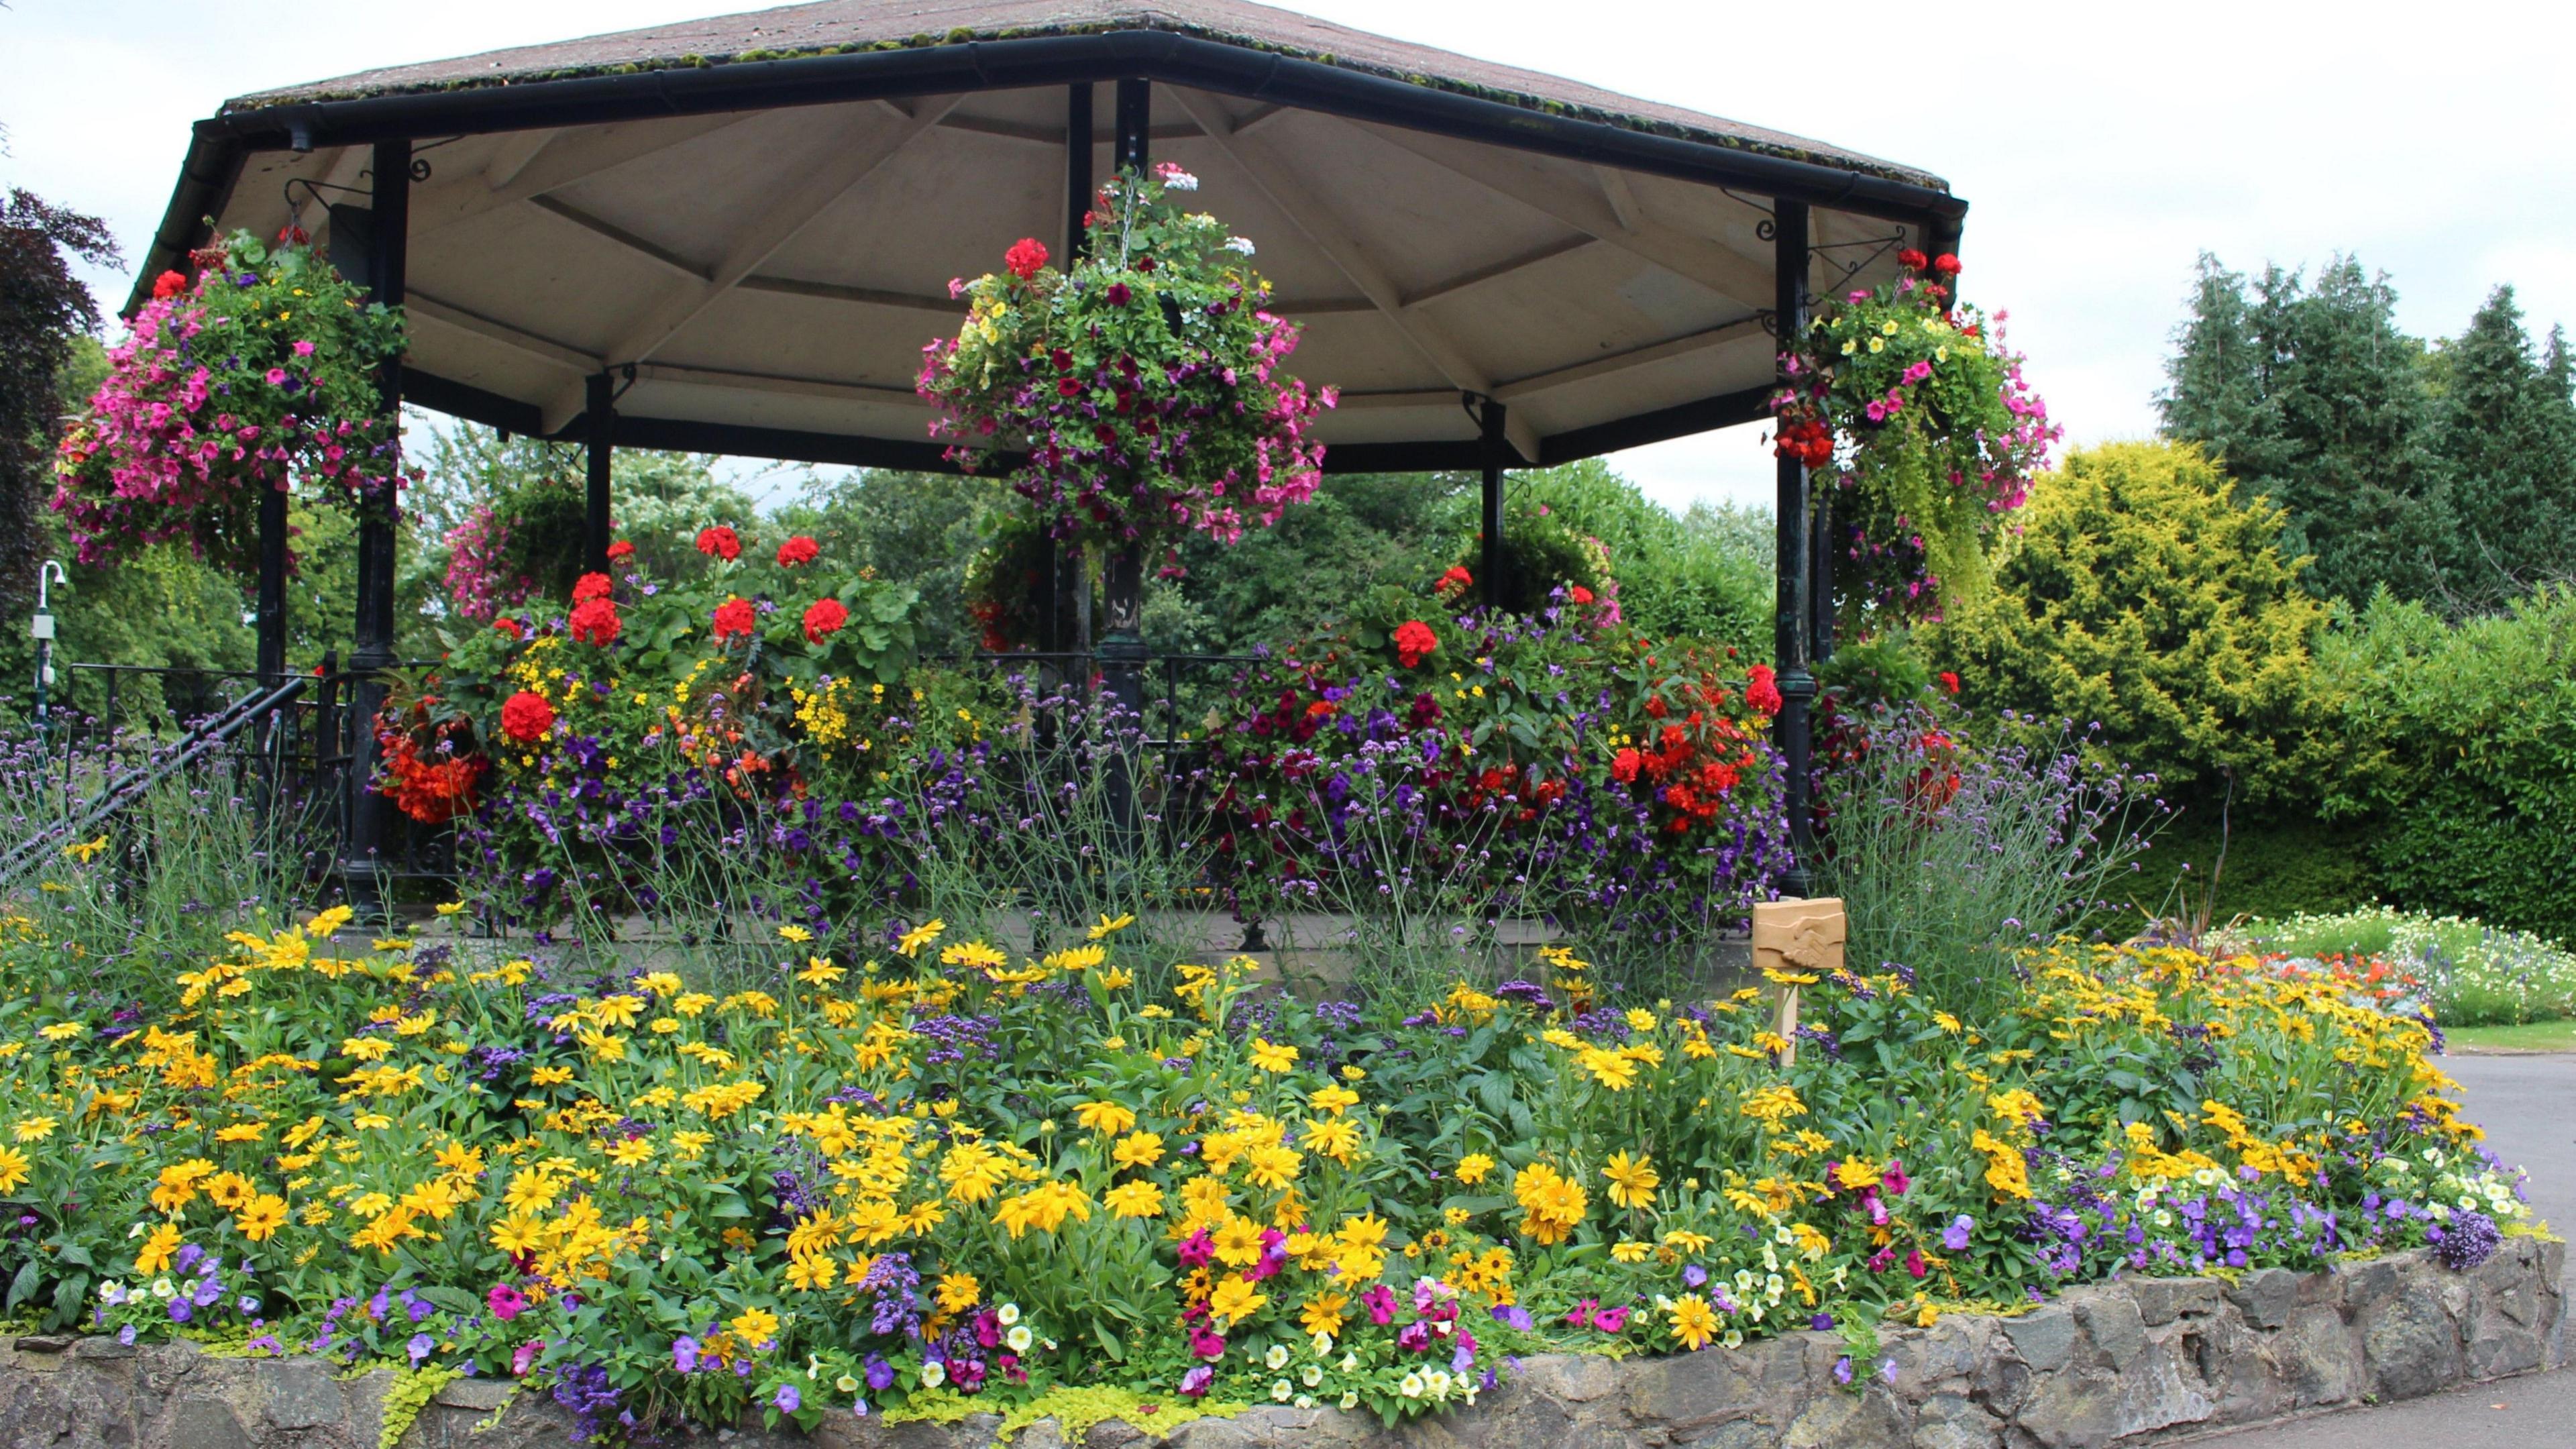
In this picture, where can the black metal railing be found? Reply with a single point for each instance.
(289, 750)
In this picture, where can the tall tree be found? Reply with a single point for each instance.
(2504, 431)
(43, 309)
(2310, 395)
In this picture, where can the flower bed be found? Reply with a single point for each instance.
(947, 1179)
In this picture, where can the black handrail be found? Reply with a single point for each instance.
(131, 785)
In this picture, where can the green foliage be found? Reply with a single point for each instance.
(2447, 474)
(46, 316)
(2460, 740)
(2143, 597)
(2504, 431)
(1706, 576)
(2271, 866)
(925, 530)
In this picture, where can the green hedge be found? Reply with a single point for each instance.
(2459, 743)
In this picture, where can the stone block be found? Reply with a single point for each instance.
(2317, 1358)
(299, 1393)
(2409, 1347)
(2266, 1296)
(2157, 1392)
(1953, 1421)
(206, 1424)
(2044, 1337)
(2071, 1409)
(1847, 1421)
(1689, 1391)
(1573, 1378)
(2114, 1326)
(2162, 1300)
(483, 1396)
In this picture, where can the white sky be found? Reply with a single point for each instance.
(2101, 147)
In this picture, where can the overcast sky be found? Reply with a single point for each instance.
(2101, 147)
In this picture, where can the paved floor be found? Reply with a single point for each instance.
(2528, 1106)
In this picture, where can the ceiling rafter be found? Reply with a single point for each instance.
(608, 230)
(831, 165)
(765, 382)
(563, 158)
(1267, 170)
(1710, 263)
(1705, 340)
(491, 329)
(1469, 281)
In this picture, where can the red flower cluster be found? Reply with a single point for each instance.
(1949, 682)
(433, 791)
(1580, 595)
(1762, 690)
(1808, 440)
(589, 587)
(734, 617)
(1912, 259)
(824, 618)
(720, 542)
(623, 548)
(595, 622)
(1025, 257)
(1414, 642)
(798, 550)
(526, 717)
(169, 284)
(1456, 581)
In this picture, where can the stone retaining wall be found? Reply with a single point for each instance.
(2135, 1362)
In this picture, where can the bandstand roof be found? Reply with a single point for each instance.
(761, 213)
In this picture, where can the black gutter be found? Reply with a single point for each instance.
(1662, 425)
(221, 142)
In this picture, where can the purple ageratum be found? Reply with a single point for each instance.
(2470, 1238)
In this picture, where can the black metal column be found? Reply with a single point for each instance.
(601, 405)
(1820, 576)
(1064, 565)
(272, 587)
(1795, 559)
(1122, 583)
(1489, 563)
(370, 814)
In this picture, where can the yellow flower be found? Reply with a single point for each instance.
(794, 934)
(450, 908)
(1234, 1301)
(1946, 1022)
(13, 1169)
(1134, 1200)
(1109, 926)
(920, 936)
(1138, 1149)
(62, 1031)
(959, 1292)
(1614, 1070)
(632, 1152)
(754, 1326)
(1632, 1180)
(157, 1250)
(261, 1216)
(1631, 1252)
(1335, 1137)
(1332, 1100)
(1324, 1312)
(34, 1129)
(1473, 1167)
(1694, 1323)
(1551, 1203)
(1106, 1118)
(1270, 1056)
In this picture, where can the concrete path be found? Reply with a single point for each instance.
(2528, 1106)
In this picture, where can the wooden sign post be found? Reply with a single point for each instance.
(1802, 937)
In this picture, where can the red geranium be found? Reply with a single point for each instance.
(168, 284)
(1912, 259)
(1946, 264)
(595, 622)
(798, 550)
(720, 542)
(1413, 641)
(824, 618)
(1949, 682)
(623, 548)
(1581, 595)
(734, 616)
(589, 587)
(1623, 765)
(526, 717)
(1025, 257)
(507, 626)
(1455, 580)
(1763, 693)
